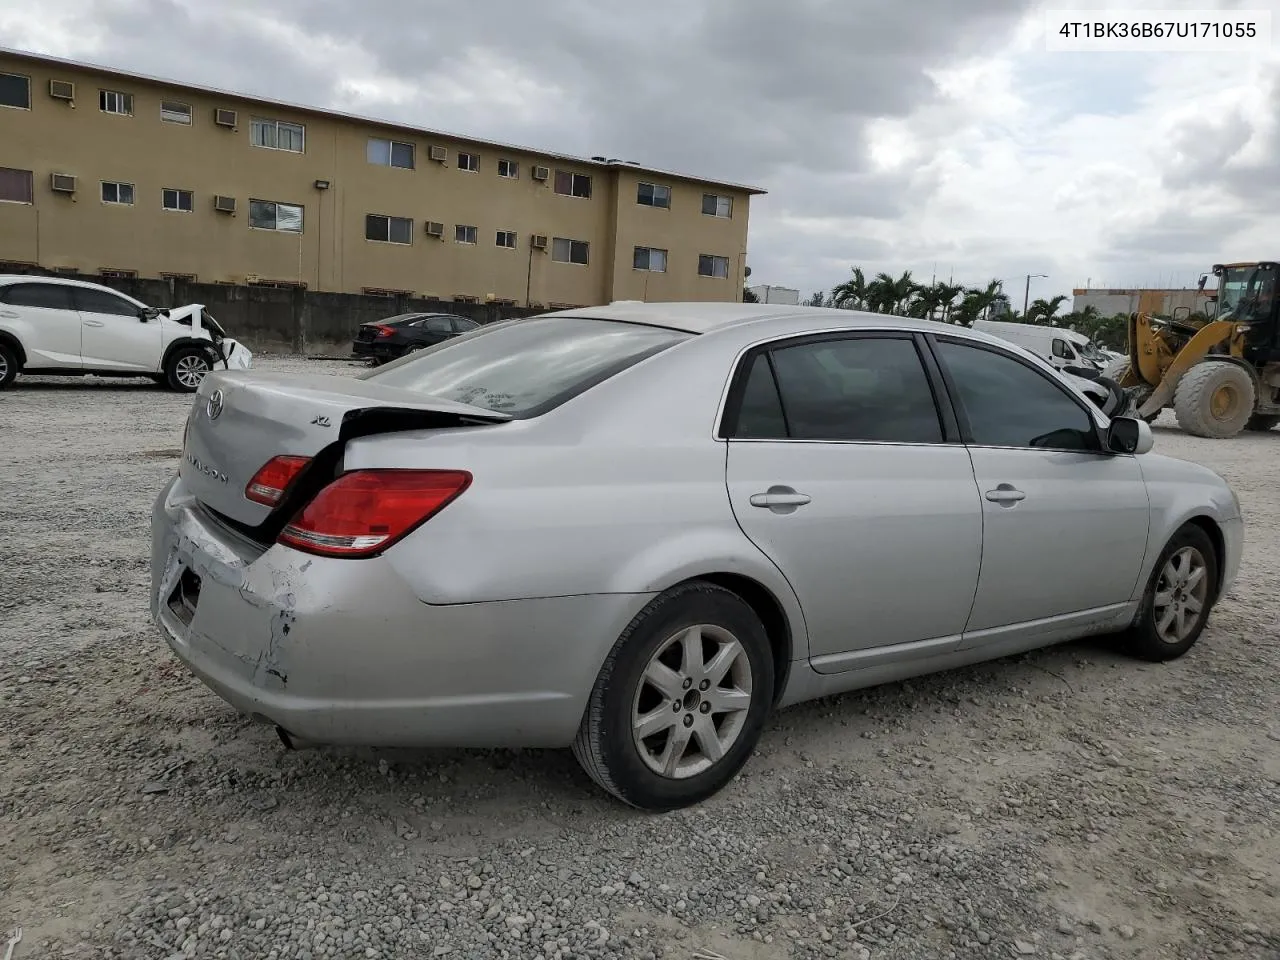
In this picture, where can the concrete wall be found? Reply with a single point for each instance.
(1160, 302)
(332, 253)
(301, 321)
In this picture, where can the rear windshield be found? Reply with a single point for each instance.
(526, 367)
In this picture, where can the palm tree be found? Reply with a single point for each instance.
(819, 299)
(978, 302)
(853, 294)
(1044, 311)
(948, 292)
(930, 301)
(889, 295)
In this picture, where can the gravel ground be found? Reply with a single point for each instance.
(1071, 803)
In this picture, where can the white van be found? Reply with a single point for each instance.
(1065, 349)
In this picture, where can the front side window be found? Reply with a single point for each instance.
(45, 296)
(436, 325)
(650, 258)
(388, 229)
(15, 91)
(269, 215)
(180, 200)
(870, 389)
(277, 134)
(99, 301)
(526, 367)
(113, 192)
(573, 184)
(1009, 404)
(16, 186)
(390, 153)
(564, 250)
(710, 266)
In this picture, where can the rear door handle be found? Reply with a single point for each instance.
(779, 497)
(94, 323)
(1005, 493)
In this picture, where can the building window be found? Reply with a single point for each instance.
(269, 215)
(709, 266)
(277, 135)
(390, 153)
(469, 162)
(653, 195)
(175, 111)
(16, 186)
(388, 229)
(714, 206)
(384, 292)
(464, 234)
(117, 192)
(111, 273)
(651, 259)
(506, 238)
(174, 199)
(184, 277)
(465, 298)
(113, 101)
(509, 169)
(570, 251)
(15, 91)
(573, 184)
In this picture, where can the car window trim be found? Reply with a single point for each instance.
(966, 429)
(731, 405)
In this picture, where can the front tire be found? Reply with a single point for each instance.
(8, 365)
(680, 701)
(1214, 399)
(1182, 590)
(185, 368)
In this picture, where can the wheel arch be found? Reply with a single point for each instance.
(176, 345)
(1214, 532)
(9, 340)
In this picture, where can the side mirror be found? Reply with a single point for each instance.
(148, 313)
(1129, 435)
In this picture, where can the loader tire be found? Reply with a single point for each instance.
(1214, 400)
(1262, 422)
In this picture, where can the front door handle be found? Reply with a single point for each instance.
(780, 498)
(1005, 494)
(94, 323)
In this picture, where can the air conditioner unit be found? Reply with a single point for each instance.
(435, 229)
(539, 241)
(62, 183)
(224, 204)
(224, 118)
(439, 154)
(251, 278)
(541, 173)
(62, 89)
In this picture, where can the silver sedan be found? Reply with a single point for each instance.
(636, 530)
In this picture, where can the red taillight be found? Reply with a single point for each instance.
(384, 331)
(366, 511)
(269, 483)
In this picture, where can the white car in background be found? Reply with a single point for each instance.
(50, 326)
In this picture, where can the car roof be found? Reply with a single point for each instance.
(7, 279)
(699, 318)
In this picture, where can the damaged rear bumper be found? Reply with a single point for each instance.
(343, 652)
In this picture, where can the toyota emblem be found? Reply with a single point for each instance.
(214, 409)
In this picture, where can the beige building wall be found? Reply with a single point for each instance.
(83, 233)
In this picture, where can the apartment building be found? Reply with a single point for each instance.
(104, 171)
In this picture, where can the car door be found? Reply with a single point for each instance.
(1064, 522)
(839, 468)
(43, 316)
(115, 336)
(435, 329)
(462, 325)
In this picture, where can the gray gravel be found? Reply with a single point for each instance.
(1070, 804)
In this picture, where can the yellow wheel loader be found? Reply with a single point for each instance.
(1220, 375)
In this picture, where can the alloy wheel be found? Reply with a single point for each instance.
(1180, 595)
(190, 370)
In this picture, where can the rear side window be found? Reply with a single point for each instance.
(526, 367)
(871, 389)
(48, 296)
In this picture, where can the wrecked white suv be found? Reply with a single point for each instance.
(51, 326)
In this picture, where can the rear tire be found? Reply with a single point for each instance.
(8, 365)
(1214, 399)
(695, 669)
(1262, 422)
(1170, 601)
(185, 368)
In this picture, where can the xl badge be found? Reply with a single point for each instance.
(321, 422)
(214, 407)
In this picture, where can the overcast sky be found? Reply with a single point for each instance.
(893, 134)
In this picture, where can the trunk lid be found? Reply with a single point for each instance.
(240, 420)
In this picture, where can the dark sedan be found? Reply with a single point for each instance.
(383, 340)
